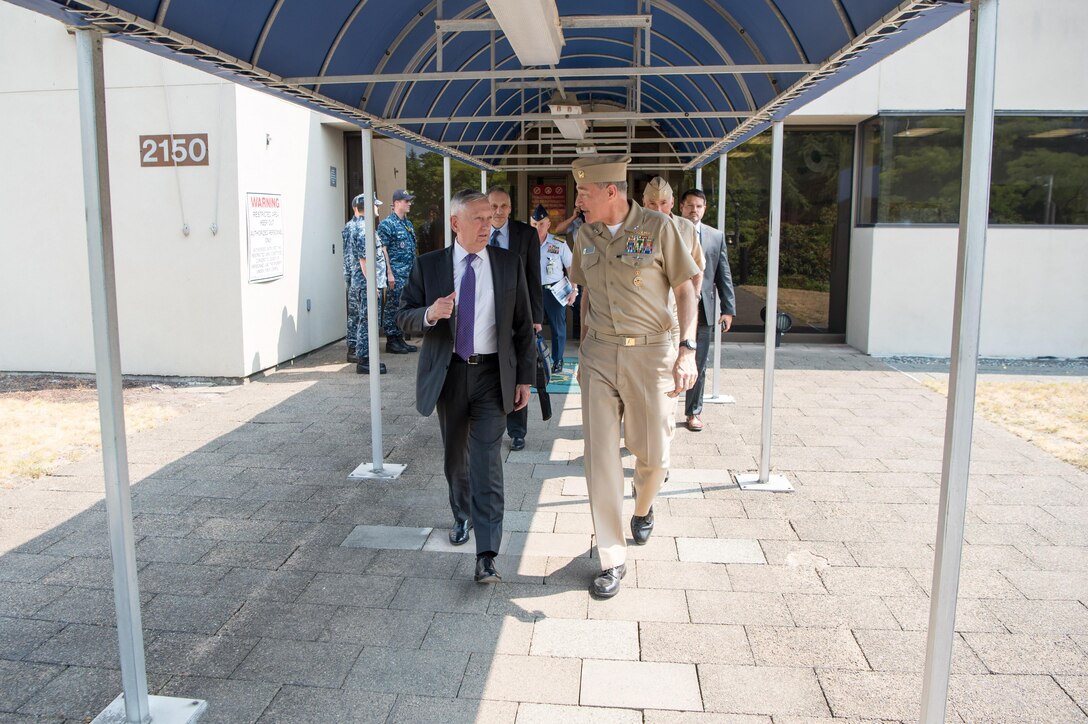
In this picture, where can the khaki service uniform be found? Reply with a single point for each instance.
(626, 361)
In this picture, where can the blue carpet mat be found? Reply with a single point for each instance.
(563, 382)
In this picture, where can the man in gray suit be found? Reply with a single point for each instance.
(715, 276)
(470, 303)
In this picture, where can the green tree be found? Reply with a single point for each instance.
(424, 170)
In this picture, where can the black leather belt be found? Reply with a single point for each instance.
(477, 359)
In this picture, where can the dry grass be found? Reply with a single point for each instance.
(46, 421)
(1053, 416)
(808, 308)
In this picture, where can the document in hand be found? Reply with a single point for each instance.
(561, 290)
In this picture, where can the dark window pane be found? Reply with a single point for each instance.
(1040, 171)
(911, 169)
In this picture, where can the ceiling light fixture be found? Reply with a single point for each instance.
(570, 128)
(532, 27)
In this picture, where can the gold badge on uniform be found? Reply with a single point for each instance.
(638, 279)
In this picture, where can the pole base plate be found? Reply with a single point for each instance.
(366, 471)
(164, 710)
(773, 483)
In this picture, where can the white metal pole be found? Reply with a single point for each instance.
(107, 362)
(377, 468)
(715, 395)
(699, 177)
(763, 480)
(372, 282)
(770, 329)
(974, 217)
(446, 194)
(483, 182)
(133, 705)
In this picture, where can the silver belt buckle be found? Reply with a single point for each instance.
(473, 359)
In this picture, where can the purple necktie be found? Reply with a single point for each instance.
(463, 343)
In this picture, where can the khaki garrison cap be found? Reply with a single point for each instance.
(600, 169)
(657, 189)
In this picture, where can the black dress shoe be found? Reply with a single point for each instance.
(607, 582)
(459, 532)
(557, 367)
(396, 345)
(363, 367)
(409, 347)
(642, 526)
(518, 443)
(485, 570)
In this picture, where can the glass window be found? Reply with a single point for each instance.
(911, 168)
(1040, 171)
(910, 171)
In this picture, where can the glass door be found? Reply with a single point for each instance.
(815, 237)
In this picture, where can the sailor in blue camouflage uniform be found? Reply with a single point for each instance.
(399, 237)
(354, 235)
(351, 262)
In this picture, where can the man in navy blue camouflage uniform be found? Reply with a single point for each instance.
(399, 237)
(354, 235)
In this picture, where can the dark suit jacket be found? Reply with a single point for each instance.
(716, 274)
(525, 242)
(431, 278)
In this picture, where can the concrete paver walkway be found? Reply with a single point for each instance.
(744, 607)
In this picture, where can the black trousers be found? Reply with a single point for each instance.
(693, 399)
(471, 418)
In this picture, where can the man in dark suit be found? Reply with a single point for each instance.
(470, 302)
(520, 238)
(716, 275)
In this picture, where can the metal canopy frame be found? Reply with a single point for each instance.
(726, 80)
(96, 18)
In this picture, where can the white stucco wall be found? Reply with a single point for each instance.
(860, 289)
(178, 308)
(901, 287)
(285, 149)
(1036, 53)
(390, 170)
(185, 305)
(1035, 301)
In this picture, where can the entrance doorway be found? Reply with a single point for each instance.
(815, 238)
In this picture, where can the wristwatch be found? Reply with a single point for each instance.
(689, 344)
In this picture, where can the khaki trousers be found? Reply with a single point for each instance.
(624, 385)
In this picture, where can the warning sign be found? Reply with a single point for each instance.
(553, 197)
(264, 226)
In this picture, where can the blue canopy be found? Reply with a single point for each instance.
(453, 90)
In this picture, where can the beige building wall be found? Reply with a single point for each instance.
(185, 303)
(901, 287)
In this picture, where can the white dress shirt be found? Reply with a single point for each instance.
(504, 235)
(484, 335)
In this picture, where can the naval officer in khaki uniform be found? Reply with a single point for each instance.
(628, 258)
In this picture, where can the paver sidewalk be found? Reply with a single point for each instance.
(266, 591)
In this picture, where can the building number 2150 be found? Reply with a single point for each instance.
(179, 149)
